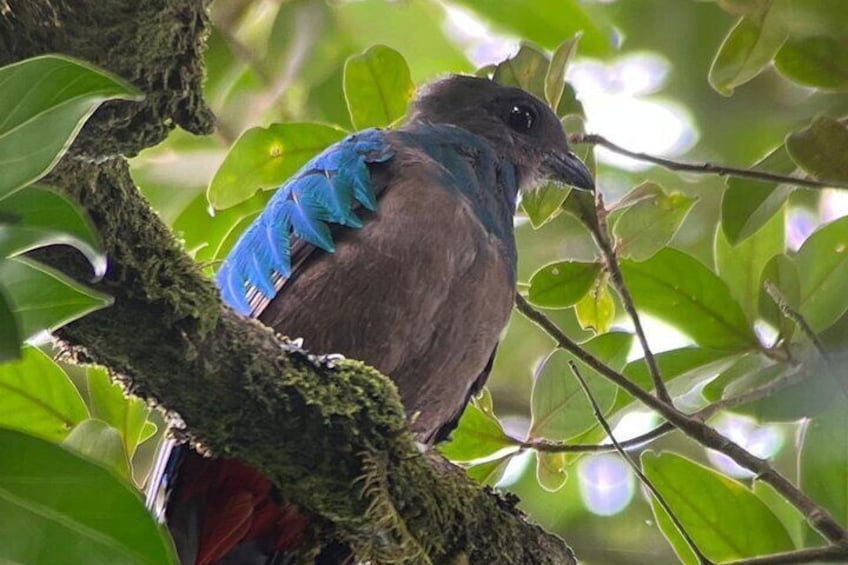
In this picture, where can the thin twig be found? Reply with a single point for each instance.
(818, 517)
(637, 469)
(830, 554)
(601, 235)
(705, 168)
(548, 446)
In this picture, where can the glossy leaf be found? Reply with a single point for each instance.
(562, 284)
(748, 204)
(98, 441)
(555, 78)
(544, 203)
(678, 289)
(377, 87)
(264, 158)
(559, 407)
(822, 265)
(596, 310)
(44, 299)
(109, 403)
(648, 225)
(821, 149)
(43, 103)
(724, 518)
(10, 335)
(478, 435)
(818, 61)
(546, 22)
(740, 266)
(823, 463)
(782, 273)
(41, 216)
(52, 500)
(37, 397)
(747, 50)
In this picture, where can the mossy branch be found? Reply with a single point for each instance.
(321, 431)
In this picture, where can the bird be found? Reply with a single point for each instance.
(395, 247)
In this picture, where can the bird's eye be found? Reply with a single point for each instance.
(521, 118)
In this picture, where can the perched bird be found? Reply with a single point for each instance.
(394, 247)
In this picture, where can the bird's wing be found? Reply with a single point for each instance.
(298, 219)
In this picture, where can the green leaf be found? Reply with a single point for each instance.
(562, 284)
(377, 87)
(555, 78)
(54, 501)
(822, 265)
(109, 403)
(789, 516)
(264, 158)
(37, 397)
(821, 149)
(10, 335)
(723, 517)
(559, 407)
(526, 70)
(478, 435)
(648, 225)
(823, 464)
(98, 441)
(782, 273)
(551, 470)
(40, 217)
(596, 310)
(820, 62)
(748, 204)
(747, 50)
(728, 380)
(44, 299)
(681, 291)
(546, 22)
(740, 266)
(43, 103)
(490, 472)
(544, 203)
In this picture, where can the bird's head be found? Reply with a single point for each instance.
(518, 125)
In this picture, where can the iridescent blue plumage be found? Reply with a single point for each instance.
(326, 190)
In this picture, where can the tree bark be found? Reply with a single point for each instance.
(330, 434)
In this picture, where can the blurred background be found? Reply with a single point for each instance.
(641, 75)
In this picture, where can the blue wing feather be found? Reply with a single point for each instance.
(324, 191)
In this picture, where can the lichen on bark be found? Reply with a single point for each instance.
(330, 434)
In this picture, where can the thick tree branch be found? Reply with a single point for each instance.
(332, 436)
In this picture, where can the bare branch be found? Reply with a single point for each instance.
(705, 168)
(818, 517)
(599, 415)
(829, 554)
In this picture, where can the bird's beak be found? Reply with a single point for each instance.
(569, 169)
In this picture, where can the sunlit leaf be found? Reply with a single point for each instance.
(377, 87)
(43, 103)
(551, 470)
(544, 203)
(748, 204)
(109, 402)
(789, 516)
(477, 435)
(596, 310)
(648, 225)
(822, 265)
(741, 265)
(98, 441)
(823, 463)
(820, 62)
(37, 397)
(526, 69)
(40, 216)
(44, 299)
(562, 284)
(678, 289)
(821, 149)
(555, 78)
(724, 518)
(263, 158)
(559, 407)
(490, 472)
(52, 500)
